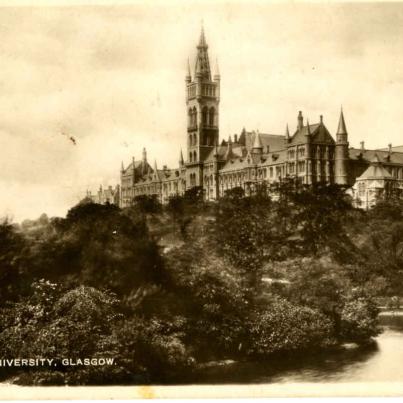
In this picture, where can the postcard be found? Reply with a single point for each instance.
(201, 199)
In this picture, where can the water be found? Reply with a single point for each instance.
(381, 362)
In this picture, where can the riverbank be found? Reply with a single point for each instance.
(380, 361)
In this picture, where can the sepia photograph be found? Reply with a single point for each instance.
(201, 194)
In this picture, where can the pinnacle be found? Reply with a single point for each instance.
(342, 124)
(202, 40)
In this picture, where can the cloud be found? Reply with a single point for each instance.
(113, 77)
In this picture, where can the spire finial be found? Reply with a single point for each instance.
(308, 128)
(217, 69)
(188, 74)
(342, 124)
(202, 40)
(257, 142)
(181, 161)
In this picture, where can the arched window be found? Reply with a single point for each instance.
(211, 117)
(194, 123)
(190, 157)
(194, 139)
(190, 118)
(205, 116)
(194, 156)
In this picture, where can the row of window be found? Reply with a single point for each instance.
(191, 91)
(208, 116)
(193, 156)
(396, 172)
(207, 139)
(206, 90)
(192, 178)
(317, 152)
(209, 90)
(301, 153)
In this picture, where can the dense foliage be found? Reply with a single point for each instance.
(162, 289)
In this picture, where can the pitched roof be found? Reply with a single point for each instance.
(300, 134)
(138, 167)
(375, 171)
(368, 155)
(236, 151)
(237, 164)
(274, 141)
(272, 158)
(396, 149)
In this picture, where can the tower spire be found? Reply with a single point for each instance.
(257, 143)
(342, 124)
(156, 174)
(144, 162)
(202, 67)
(202, 40)
(188, 74)
(216, 70)
(341, 153)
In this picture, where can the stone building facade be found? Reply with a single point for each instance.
(309, 155)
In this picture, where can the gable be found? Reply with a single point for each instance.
(322, 135)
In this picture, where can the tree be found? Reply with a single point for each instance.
(12, 256)
(147, 204)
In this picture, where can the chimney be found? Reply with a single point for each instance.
(321, 119)
(362, 146)
(300, 120)
(390, 148)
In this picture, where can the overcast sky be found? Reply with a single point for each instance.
(113, 78)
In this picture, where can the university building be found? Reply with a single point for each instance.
(310, 154)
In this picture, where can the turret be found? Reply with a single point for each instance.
(216, 155)
(188, 78)
(216, 171)
(228, 153)
(308, 131)
(257, 147)
(308, 153)
(287, 134)
(156, 174)
(217, 76)
(341, 153)
(217, 79)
